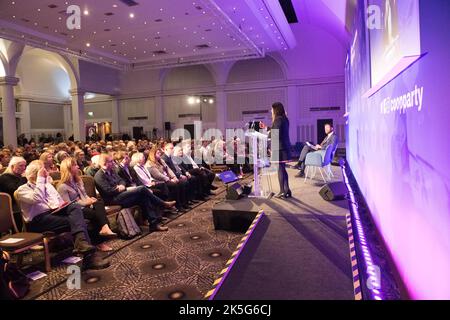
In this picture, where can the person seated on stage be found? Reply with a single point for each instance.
(44, 210)
(161, 172)
(330, 139)
(113, 190)
(49, 164)
(192, 183)
(10, 181)
(92, 169)
(143, 176)
(71, 188)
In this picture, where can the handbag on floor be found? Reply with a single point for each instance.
(14, 284)
(126, 224)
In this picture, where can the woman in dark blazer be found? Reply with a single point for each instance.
(282, 152)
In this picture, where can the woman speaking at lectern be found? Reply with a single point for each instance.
(280, 122)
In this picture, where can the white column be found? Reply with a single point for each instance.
(78, 117)
(68, 128)
(159, 115)
(25, 121)
(115, 116)
(221, 110)
(293, 111)
(9, 110)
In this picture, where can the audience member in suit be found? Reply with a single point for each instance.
(330, 139)
(198, 169)
(143, 176)
(161, 172)
(191, 182)
(44, 210)
(114, 192)
(71, 188)
(195, 181)
(10, 181)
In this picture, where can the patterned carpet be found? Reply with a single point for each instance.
(179, 264)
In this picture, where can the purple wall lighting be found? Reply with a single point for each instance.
(397, 137)
(374, 280)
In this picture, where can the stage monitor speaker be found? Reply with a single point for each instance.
(334, 191)
(167, 125)
(234, 192)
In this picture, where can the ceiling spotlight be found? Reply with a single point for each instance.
(191, 100)
(211, 101)
(88, 44)
(131, 15)
(86, 12)
(197, 100)
(114, 5)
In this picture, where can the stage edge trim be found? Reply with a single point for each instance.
(234, 256)
(355, 272)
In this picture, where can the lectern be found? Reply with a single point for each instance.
(259, 159)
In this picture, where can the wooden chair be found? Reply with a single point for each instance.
(29, 239)
(89, 186)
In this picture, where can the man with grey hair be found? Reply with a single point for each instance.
(11, 180)
(44, 210)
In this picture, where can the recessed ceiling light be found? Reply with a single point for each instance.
(86, 12)
(39, 10)
(88, 44)
(114, 5)
(131, 15)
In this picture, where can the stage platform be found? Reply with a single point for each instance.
(298, 250)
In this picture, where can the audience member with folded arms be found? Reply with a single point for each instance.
(71, 188)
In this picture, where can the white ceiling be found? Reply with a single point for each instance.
(161, 33)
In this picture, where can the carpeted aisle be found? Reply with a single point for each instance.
(179, 264)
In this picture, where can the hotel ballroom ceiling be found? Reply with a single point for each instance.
(151, 33)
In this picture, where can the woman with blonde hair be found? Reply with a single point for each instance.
(49, 164)
(71, 188)
(161, 172)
